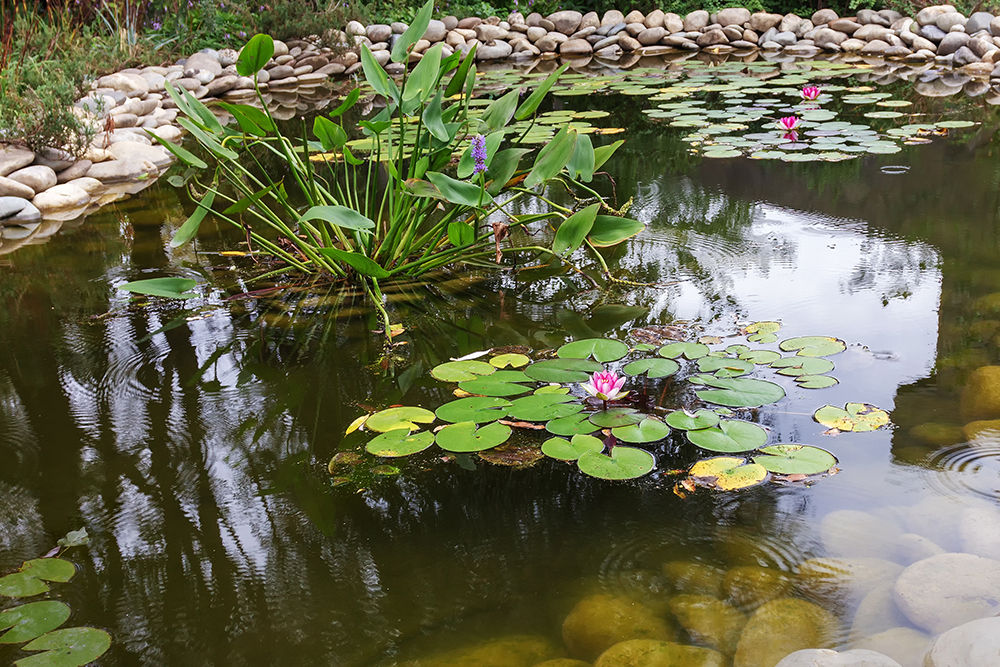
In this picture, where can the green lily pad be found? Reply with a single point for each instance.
(739, 392)
(478, 409)
(513, 360)
(654, 368)
(813, 346)
(50, 569)
(795, 366)
(406, 417)
(687, 350)
(68, 647)
(466, 437)
(622, 463)
(852, 417)
(759, 357)
(544, 407)
(399, 442)
(724, 366)
(648, 430)
(686, 421)
(571, 450)
(551, 389)
(578, 424)
(729, 437)
(170, 288)
(793, 459)
(501, 383)
(562, 370)
(460, 371)
(615, 417)
(816, 381)
(600, 349)
(21, 585)
(727, 473)
(954, 124)
(32, 620)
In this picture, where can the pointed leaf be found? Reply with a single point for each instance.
(341, 216)
(581, 164)
(189, 229)
(610, 230)
(416, 30)
(331, 135)
(459, 192)
(573, 230)
(531, 103)
(255, 54)
(603, 153)
(182, 154)
(171, 288)
(360, 263)
(347, 104)
(552, 158)
(458, 80)
(501, 110)
(421, 82)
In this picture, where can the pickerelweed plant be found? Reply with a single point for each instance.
(393, 211)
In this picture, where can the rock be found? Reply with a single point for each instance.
(978, 21)
(995, 26)
(133, 150)
(846, 26)
(606, 42)
(612, 17)
(877, 612)
(651, 36)
(928, 15)
(932, 33)
(37, 177)
(590, 20)
(981, 46)
(487, 33)
(11, 206)
(904, 645)
(981, 393)
(55, 159)
(844, 578)
(937, 434)
(495, 51)
(132, 85)
(89, 185)
(563, 662)
(13, 158)
(911, 547)
(712, 38)
(696, 20)
(974, 643)
(856, 533)
(828, 39)
(673, 23)
(979, 531)
(11, 188)
(599, 621)
(566, 21)
(222, 85)
(733, 16)
(76, 170)
(117, 171)
(709, 621)
(352, 28)
(654, 19)
(781, 627)
(205, 62)
(824, 657)
(823, 16)
(628, 43)
(784, 38)
(750, 586)
(948, 21)
(228, 57)
(964, 56)
(871, 31)
(436, 31)
(653, 653)
(61, 197)
(695, 578)
(951, 43)
(941, 592)
(379, 32)
(512, 651)
(27, 214)
(551, 42)
(790, 23)
(761, 21)
(635, 16)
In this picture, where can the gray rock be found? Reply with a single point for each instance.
(612, 17)
(824, 657)
(205, 62)
(696, 20)
(487, 33)
(13, 158)
(118, 171)
(952, 42)
(828, 39)
(981, 46)
(978, 21)
(132, 85)
(54, 158)
(436, 31)
(732, 16)
(712, 38)
(871, 17)
(941, 592)
(877, 612)
(846, 26)
(784, 38)
(606, 42)
(995, 26)
(228, 57)
(911, 548)
(379, 32)
(78, 169)
(948, 21)
(876, 47)
(790, 23)
(9, 188)
(495, 51)
(651, 36)
(576, 47)
(733, 32)
(824, 16)
(61, 198)
(904, 645)
(567, 21)
(932, 32)
(761, 21)
(28, 214)
(871, 31)
(11, 206)
(973, 643)
(37, 177)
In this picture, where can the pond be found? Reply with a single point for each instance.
(192, 440)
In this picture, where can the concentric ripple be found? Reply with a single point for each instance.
(973, 466)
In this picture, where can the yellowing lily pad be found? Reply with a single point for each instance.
(406, 417)
(852, 417)
(727, 473)
(513, 360)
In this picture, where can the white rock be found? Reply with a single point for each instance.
(133, 150)
(969, 645)
(61, 197)
(13, 158)
(877, 612)
(37, 177)
(824, 657)
(855, 533)
(904, 645)
(89, 185)
(132, 85)
(941, 592)
(9, 188)
(979, 532)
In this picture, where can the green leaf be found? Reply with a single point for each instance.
(401, 49)
(739, 392)
(50, 569)
(724, 366)
(648, 430)
(729, 436)
(501, 383)
(814, 346)
(581, 164)
(572, 425)
(512, 359)
(399, 442)
(460, 371)
(500, 111)
(459, 192)
(31, 620)
(599, 349)
(360, 263)
(348, 104)
(687, 350)
(532, 102)
(403, 417)
(543, 407)
(552, 158)
(653, 368)
(376, 76)
(171, 288)
(466, 163)
(609, 230)
(573, 230)
(255, 55)
(815, 381)
(615, 417)
(433, 121)
(74, 538)
(461, 233)
(727, 473)
(603, 153)
(182, 154)
(795, 366)
(247, 202)
(250, 119)
(759, 357)
(341, 216)
(189, 229)
(458, 80)
(466, 437)
(420, 84)
(852, 417)
(686, 421)
(623, 463)
(207, 140)
(502, 168)
(195, 109)
(562, 370)
(571, 450)
(331, 135)
(68, 647)
(21, 585)
(479, 409)
(791, 459)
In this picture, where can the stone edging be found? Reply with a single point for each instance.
(52, 185)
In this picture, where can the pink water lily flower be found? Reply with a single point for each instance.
(789, 122)
(605, 385)
(810, 93)
(791, 136)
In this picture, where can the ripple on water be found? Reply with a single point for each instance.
(972, 466)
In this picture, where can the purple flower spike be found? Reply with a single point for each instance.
(479, 154)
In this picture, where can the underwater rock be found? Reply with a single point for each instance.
(600, 621)
(652, 653)
(979, 531)
(824, 657)
(941, 592)
(563, 662)
(981, 395)
(844, 579)
(904, 645)
(855, 533)
(781, 627)
(973, 643)
(877, 612)
(749, 586)
(696, 578)
(709, 621)
(912, 547)
(981, 428)
(934, 433)
(512, 651)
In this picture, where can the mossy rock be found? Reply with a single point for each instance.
(964, 359)
(512, 651)
(598, 622)
(781, 627)
(694, 578)
(563, 662)
(845, 580)
(988, 305)
(983, 330)
(937, 434)
(652, 653)
(750, 586)
(709, 621)
(981, 395)
(981, 428)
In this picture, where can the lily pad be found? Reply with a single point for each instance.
(813, 346)
(50, 569)
(686, 421)
(68, 647)
(687, 350)
(543, 407)
(729, 437)
(467, 437)
(615, 417)
(512, 455)
(654, 368)
(399, 442)
(622, 463)
(501, 383)
(460, 371)
(571, 450)
(21, 585)
(572, 425)
(478, 409)
(32, 620)
(724, 367)
(600, 349)
(739, 392)
(562, 370)
(816, 381)
(852, 417)
(727, 473)
(648, 430)
(791, 459)
(170, 288)
(795, 366)
(406, 417)
(759, 357)
(513, 360)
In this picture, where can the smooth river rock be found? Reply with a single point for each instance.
(844, 579)
(904, 645)
(856, 533)
(37, 177)
(749, 586)
(781, 627)
(653, 653)
(13, 158)
(11, 206)
(61, 198)
(709, 621)
(970, 644)
(981, 394)
(824, 657)
(941, 592)
(597, 622)
(11, 188)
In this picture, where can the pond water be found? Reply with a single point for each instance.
(192, 440)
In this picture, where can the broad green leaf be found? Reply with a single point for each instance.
(401, 49)
(852, 417)
(572, 425)
(571, 450)
(467, 437)
(543, 407)
(686, 421)
(502, 168)
(609, 230)
(648, 430)
(250, 119)
(501, 383)
(331, 135)
(531, 103)
(74, 538)
(727, 473)
(50, 569)
(815, 381)
(729, 436)
(376, 76)
(512, 359)
(653, 368)
(207, 140)
(792, 459)
(581, 164)
(433, 122)
(190, 228)
(500, 111)
(795, 366)
(420, 84)
(724, 366)
(739, 392)
(460, 192)
(399, 442)
(573, 230)
(21, 585)
(348, 104)
(615, 417)
(360, 263)
(622, 463)
(68, 647)
(403, 417)
(31, 620)
(814, 346)
(460, 371)
(562, 370)
(687, 350)
(458, 80)
(182, 154)
(598, 349)
(461, 233)
(759, 357)
(552, 158)
(341, 216)
(171, 288)
(479, 409)
(254, 55)
(603, 153)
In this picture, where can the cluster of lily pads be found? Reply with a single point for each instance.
(595, 400)
(38, 623)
